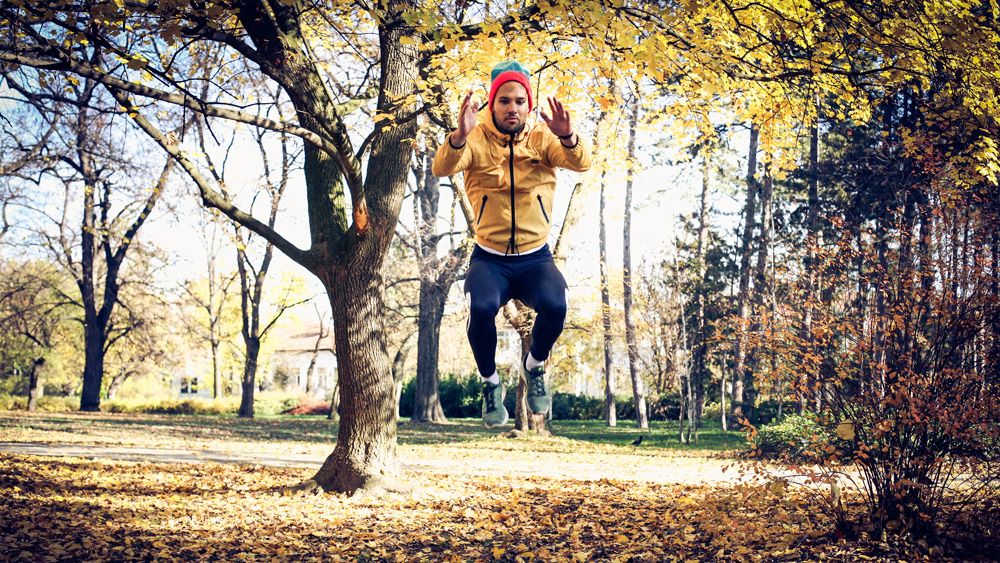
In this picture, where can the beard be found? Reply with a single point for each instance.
(501, 127)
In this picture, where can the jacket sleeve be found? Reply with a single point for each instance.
(576, 158)
(448, 160)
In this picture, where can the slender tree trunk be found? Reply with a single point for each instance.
(249, 376)
(397, 371)
(699, 368)
(426, 402)
(812, 243)
(638, 390)
(743, 296)
(311, 383)
(334, 413)
(610, 412)
(117, 380)
(759, 292)
(436, 277)
(216, 369)
(35, 383)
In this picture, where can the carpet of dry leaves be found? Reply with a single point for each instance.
(62, 509)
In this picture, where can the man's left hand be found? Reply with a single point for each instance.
(559, 123)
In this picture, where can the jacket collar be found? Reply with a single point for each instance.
(503, 139)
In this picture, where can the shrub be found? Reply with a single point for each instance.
(767, 411)
(799, 438)
(567, 406)
(44, 404)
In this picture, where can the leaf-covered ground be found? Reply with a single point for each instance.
(79, 509)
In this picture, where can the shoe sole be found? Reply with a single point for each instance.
(506, 417)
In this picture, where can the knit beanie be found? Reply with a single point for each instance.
(510, 71)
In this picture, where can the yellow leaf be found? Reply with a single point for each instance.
(845, 430)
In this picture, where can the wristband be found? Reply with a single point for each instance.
(564, 137)
(452, 145)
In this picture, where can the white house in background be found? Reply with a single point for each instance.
(195, 380)
(293, 351)
(508, 348)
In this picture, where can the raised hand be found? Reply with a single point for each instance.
(559, 122)
(466, 120)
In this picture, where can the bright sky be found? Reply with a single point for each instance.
(660, 194)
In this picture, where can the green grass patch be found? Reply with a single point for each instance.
(55, 427)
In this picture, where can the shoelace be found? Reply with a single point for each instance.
(537, 384)
(488, 397)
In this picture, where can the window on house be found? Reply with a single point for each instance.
(189, 385)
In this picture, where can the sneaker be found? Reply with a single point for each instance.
(539, 399)
(494, 413)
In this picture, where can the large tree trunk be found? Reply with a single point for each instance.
(426, 402)
(638, 391)
(365, 454)
(738, 405)
(610, 412)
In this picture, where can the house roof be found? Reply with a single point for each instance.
(302, 339)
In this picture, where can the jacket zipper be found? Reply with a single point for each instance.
(512, 245)
(542, 205)
(482, 207)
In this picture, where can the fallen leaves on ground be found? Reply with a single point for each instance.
(107, 510)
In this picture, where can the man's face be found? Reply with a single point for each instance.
(510, 107)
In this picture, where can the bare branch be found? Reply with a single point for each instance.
(209, 196)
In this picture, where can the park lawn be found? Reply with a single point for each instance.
(306, 433)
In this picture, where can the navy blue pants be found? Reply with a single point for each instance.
(494, 280)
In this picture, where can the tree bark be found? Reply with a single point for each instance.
(759, 293)
(35, 383)
(365, 454)
(249, 379)
(638, 389)
(738, 406)
(397, 370)
(812, 242)
(426, 402)
(610, 412)
(699, 360)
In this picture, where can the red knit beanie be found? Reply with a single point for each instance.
(510, 71)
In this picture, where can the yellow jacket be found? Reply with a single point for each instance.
(510, 217)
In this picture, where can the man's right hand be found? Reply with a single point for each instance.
(466, 120)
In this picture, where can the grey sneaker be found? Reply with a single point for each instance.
(494, 413)
(539, 399)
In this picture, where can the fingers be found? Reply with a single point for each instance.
(559, 113)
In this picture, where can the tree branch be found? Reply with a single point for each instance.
(210, 197)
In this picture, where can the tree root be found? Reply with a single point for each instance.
(374, 487)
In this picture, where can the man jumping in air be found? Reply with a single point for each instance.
(510, 179)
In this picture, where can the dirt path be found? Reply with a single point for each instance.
(554, 465)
